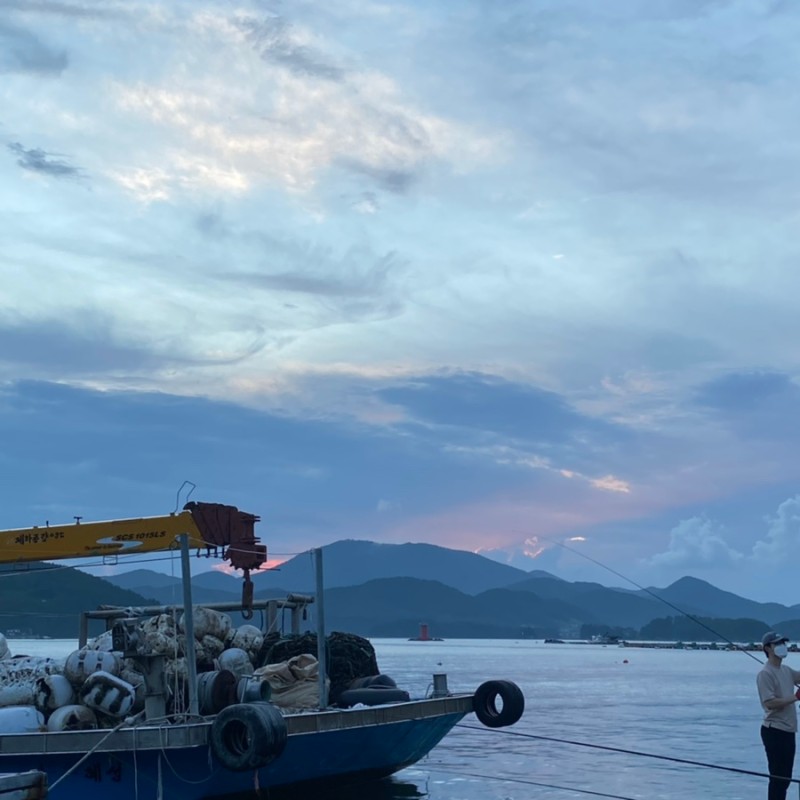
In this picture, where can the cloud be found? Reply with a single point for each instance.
(23, 51)
(610, 483)
(277, 40)
(88, 347)
(782, 542)
(696, 542)
(745, 392)
(43, 163)
(391, 179)
(278, 112)
(485, 402)
(68, 10)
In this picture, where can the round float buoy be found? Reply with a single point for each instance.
(248, 736)
(484, 703)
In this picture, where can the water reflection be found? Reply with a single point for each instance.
(385, 789)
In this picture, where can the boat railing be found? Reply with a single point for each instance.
(296, 603)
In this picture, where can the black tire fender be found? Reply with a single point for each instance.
(484, 703)
(247, 736)
(372, 696)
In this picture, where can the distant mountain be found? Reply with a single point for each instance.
(388, 590)
(396, 607)
(207, 587)
(143, 577)
(351, 562)
(46, 601)
(688, 593)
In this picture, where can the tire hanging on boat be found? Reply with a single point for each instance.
(484, 703)
(248, 736)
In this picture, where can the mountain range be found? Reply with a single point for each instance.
(388, 590)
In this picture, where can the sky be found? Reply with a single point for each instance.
(493, 276)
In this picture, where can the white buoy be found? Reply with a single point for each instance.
(72, 718)
(109, 694)
(208, 622)
(21, 719)
(51, 692)
(249, 638)
(236, 660)
(81, 664)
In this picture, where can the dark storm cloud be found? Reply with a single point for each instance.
(273, 41)
(22, 51)
(37, 160)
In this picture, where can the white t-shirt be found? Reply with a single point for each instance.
(777, 683)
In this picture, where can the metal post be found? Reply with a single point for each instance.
(83, 634)
(321, 654)
(188, 624)
(272, 616)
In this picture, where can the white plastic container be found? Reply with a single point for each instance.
(108, 694)
(80, 664)
(20, 719)
(236, 660)
(51, 692)
(72, 718)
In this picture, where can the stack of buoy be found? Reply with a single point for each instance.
(96, 687)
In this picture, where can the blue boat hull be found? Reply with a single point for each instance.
(339, 755)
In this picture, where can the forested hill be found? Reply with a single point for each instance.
(42, 600)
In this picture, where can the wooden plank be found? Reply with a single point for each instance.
(23, 785)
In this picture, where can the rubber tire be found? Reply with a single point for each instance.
(248, 736)
(372, 696)
(484, 703)
(373, 680)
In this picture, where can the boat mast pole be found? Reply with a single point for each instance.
(321, 649)
(188, 625)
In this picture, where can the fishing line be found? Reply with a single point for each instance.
(652, 594)
(630, 752)
(530, 783)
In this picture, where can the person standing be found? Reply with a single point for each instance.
(776, 690)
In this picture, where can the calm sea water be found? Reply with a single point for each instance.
(699, 705)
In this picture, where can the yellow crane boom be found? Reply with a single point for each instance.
(209, 525)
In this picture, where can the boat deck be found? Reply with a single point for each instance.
(165, 737)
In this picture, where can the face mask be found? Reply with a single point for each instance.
(780, 650)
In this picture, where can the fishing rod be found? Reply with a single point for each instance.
(652, 594)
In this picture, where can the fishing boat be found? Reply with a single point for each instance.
(247, 742)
